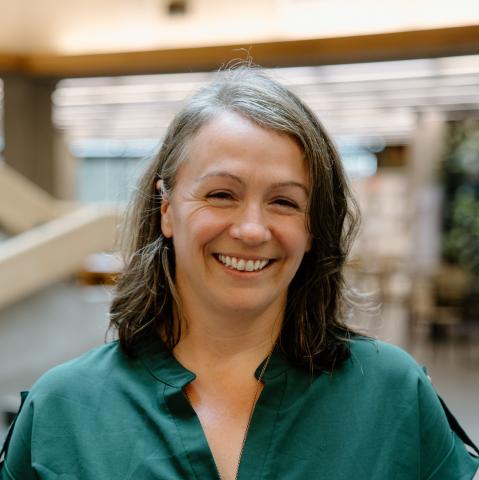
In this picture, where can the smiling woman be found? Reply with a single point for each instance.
(234, 357)
(240, 200)
(248, 145)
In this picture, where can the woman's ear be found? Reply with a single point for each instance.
(166, 223)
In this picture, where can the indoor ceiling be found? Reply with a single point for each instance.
(370, 103)
(67, 27)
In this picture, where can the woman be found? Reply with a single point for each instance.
(234, 359)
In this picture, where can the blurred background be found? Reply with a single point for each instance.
(88, 88)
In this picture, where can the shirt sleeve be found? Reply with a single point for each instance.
(18, 463)
(443, 454)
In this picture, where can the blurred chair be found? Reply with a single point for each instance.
(443, 304)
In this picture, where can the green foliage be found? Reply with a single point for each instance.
(461, 185)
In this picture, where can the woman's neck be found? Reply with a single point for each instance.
(219, 343)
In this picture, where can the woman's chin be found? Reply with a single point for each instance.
(249, 306)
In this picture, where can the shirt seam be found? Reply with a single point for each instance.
(449, 452)
(275, 427)
(5, 466)
(165, 386)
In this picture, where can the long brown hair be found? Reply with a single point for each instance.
(314, 333)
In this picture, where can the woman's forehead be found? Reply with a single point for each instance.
(232, 143)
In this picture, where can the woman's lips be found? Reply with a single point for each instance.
(243, 264)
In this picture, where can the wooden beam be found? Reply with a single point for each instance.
(320, 51)
(11, 63)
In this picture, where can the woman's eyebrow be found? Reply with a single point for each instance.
(290, 183)
(220, 173)
(273, 186)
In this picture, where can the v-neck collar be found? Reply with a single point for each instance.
(165, 368)
(162, 364)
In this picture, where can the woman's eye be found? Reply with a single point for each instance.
(220, 195)
(286, 202)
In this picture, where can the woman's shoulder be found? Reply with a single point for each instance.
(88, 370)
(382, 373)
(370, 348)
(376, 358)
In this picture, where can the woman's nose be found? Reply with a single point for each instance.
(250, 228)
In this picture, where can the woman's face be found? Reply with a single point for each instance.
(237, 217)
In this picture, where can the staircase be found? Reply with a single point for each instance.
(49, 239)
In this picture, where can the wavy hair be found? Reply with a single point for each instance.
(314, 332)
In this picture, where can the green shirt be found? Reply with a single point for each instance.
(105, 416)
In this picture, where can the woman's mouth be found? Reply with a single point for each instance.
(242, 264)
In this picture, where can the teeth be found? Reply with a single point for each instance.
(242, 264)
